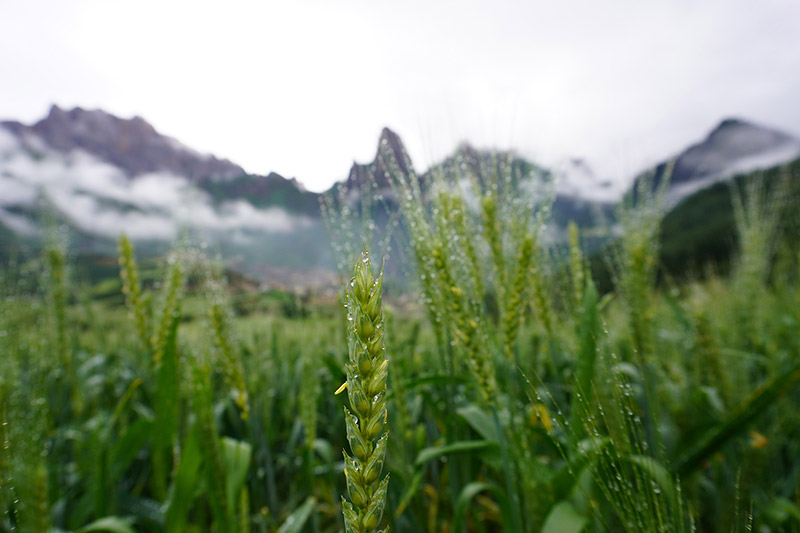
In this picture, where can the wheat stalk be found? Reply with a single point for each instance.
(132, 288)
(367, 371)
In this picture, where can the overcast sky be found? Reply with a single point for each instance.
(303, 88)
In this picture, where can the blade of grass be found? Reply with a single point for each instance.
(737, 422)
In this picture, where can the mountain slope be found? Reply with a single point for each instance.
(131, 145)
(364, 176)
(102, 175)
(466, 167)
(701, 230)
(734, 147)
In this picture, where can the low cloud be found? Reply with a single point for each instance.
(100, 199)
(17, 223)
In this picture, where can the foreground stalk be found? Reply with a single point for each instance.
(366, 389)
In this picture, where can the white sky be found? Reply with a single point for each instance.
(304, 87)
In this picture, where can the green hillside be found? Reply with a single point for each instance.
(700, 232)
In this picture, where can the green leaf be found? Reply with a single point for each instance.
(166, 424)
(586, 453)
(110, 524)
(128, 446)
(236, 458)
(166, 401)
(659, 474)
(434, 452)
(480, 421)
(738, 421)
(469, 492)
(584, 371)
(295, 522)
(605, 301)
(677, 310)
(781, 510)
(564, 518)
(126, 397)
(413, 487)
(183, 490)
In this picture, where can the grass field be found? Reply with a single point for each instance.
(518, 397)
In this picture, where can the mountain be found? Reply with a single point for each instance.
(103, 175)
(734, 147)
(362, 176)
(585, 199)
(701, 230)
(131, 145)
(698, 232)
(137, 150)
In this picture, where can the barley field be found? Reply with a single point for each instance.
(497, 387)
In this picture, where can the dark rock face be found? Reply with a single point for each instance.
(734, 147)
(486, 165)
(389, 145)
(133, 145)
(272, 190)
(136, 148)
(732, 140)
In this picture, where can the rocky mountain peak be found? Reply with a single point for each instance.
(133, 145)
(738, 137)
(731, 123)
(388, 136)
(389, 145)
(734, 146)
(87, 122)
